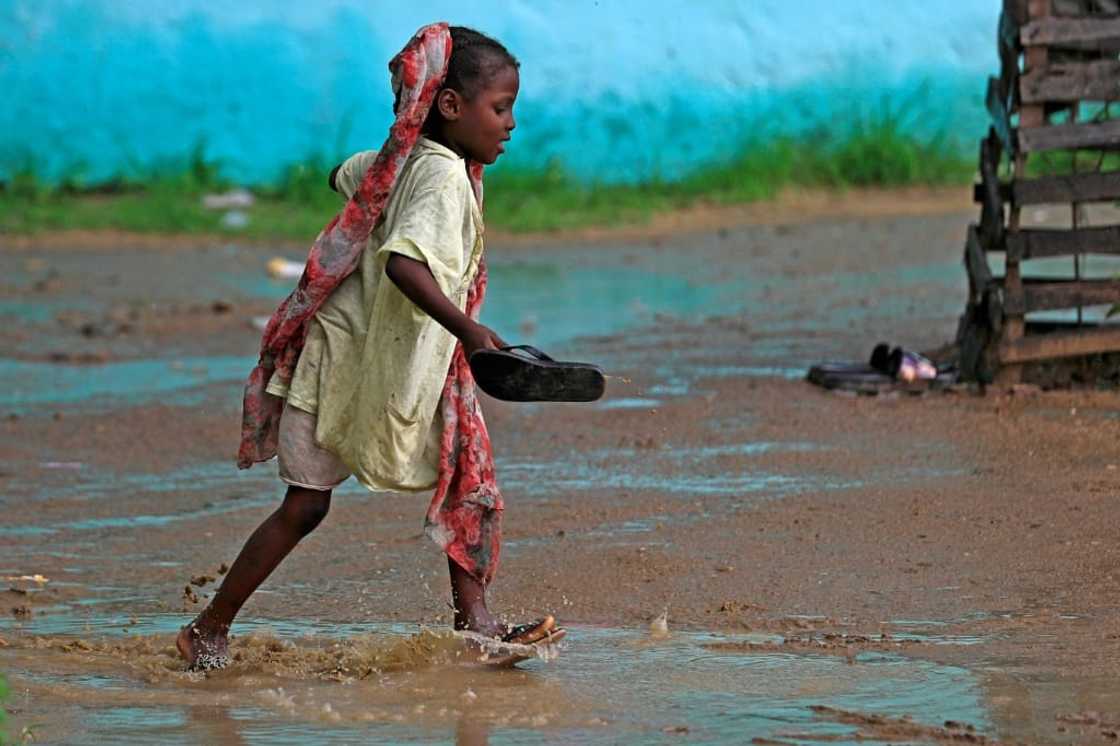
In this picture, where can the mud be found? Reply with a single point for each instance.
(384, 682)
(955, 537)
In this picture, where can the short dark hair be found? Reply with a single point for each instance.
(475, 59)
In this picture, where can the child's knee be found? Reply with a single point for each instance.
(305, 509)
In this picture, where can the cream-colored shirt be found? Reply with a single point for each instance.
(374, 365)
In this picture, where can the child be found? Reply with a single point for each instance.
(360, 372)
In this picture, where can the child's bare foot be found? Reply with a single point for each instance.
(203, 650)
(480, 620)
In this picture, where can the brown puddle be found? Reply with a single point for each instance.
(90, 679)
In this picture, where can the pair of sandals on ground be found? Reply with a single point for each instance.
(888, 369)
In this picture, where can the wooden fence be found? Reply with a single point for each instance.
(1054, 140)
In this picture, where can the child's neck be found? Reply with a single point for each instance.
(446, 142)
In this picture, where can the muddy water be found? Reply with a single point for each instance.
(116, 679)
(711, 481)
(550, 304)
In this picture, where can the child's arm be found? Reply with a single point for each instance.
(347, 176)
(415, 280)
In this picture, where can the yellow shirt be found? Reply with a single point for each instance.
(373, 366)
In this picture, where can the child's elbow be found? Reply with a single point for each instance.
(393, 268)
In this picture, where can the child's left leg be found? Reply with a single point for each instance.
(465, 515)
(468, 594)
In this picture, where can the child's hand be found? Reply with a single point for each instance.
(479, 337)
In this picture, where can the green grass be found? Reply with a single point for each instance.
(167, 198)
(1060, 163)
(874, 152)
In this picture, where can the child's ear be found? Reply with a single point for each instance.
(450, 104)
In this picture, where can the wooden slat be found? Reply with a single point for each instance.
(1007, 42)
(1071, 81)
(978, 192)
(1095, 49)
(1049, 346)
(1001, 122)
(1087, 187)
(976, 263)
(1030, 115)
(1014, 298)
(1069, 136)
(991, 213)
(1016, 11)
(1054, 294)
(1036, 243)
(1061, 31)
(1049, 190)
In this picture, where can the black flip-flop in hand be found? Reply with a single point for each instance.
(524, 373)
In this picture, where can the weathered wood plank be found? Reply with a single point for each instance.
(1034, 58)
(1070, 294)
(1071, 81)
(976, 263)
(1036, 243)
(978, 192)
(1001, 122)
(1061, 31)
(1007, 42)
(1013, 298)
(1087, 187)
(1054, 294)
(1049, 346)
(1069, 136)
(991, 212)
(1016, 11)
(1096, 49)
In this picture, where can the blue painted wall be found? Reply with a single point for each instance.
(614, 89)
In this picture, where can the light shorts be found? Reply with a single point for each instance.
(302, 462)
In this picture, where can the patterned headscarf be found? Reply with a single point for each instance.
(418, 73)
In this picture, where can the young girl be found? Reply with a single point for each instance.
(360, 372)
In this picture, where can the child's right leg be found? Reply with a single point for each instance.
(204, 642)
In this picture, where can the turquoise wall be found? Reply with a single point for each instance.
(614, 89)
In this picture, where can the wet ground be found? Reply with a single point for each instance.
(833, 569)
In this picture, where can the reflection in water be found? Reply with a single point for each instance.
(472, 731)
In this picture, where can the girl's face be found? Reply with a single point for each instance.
(477, 128)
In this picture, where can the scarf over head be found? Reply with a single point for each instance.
(464, 516)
